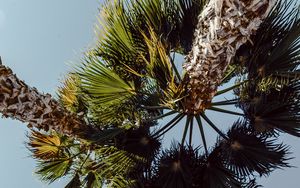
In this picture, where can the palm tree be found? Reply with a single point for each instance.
(105, 128)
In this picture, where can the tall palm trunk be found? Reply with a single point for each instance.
(223, 26)
(21, 102)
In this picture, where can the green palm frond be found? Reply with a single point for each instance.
(104, 137)
(120, 42)
(158, 66)
(246, 153)
(174, 21)
(103, 85)
(112, 166)
(52, 170)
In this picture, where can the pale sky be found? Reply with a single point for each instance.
(38, 38)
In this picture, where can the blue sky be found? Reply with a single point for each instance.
(38, 39)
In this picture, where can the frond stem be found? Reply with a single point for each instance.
(155, 107)
(213, 126)
(191, 130)
(226, 111)
(226, 102)
(186, 127)
(202, 134)
(174, 67)
(87, 157)
(162, 116)
(168, 126)
(170, 123)
(230, 88)
(229, 74)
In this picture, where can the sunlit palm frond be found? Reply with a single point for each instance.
(119, 181)
(120, 42)
(174, 21)
(160, 69)
(52, 170)
(68, 93)
(113, 166)
(44, 146)
(158, 65)
(103, 85)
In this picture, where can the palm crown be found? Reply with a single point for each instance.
(111, 135)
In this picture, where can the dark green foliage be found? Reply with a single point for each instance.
(275, 110)
(246, 153)
(176, 167)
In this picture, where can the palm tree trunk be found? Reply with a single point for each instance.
(223, 26)
(40, 111)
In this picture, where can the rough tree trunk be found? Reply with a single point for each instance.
(223, 26)
(21, 102)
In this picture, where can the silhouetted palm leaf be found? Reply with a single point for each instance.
(246, 152)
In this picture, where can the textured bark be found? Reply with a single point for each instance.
(41, 111)
(223, 26)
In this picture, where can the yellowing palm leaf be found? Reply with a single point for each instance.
(44, 146)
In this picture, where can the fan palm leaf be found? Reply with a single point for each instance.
(246, 153)
(103, 84)
(275, 110)
(44, 146)
(52, 170)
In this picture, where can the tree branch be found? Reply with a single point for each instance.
(40, 111)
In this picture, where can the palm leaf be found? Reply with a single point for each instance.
(246, 153)
(139, 142)
(44, 146)
(119, 42)
(176, 167)
(50, 171)
(103, 85)
(213, 173)
(276, 110)
(112, 165)
(68, 93)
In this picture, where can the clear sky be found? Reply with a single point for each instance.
(38, 38)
